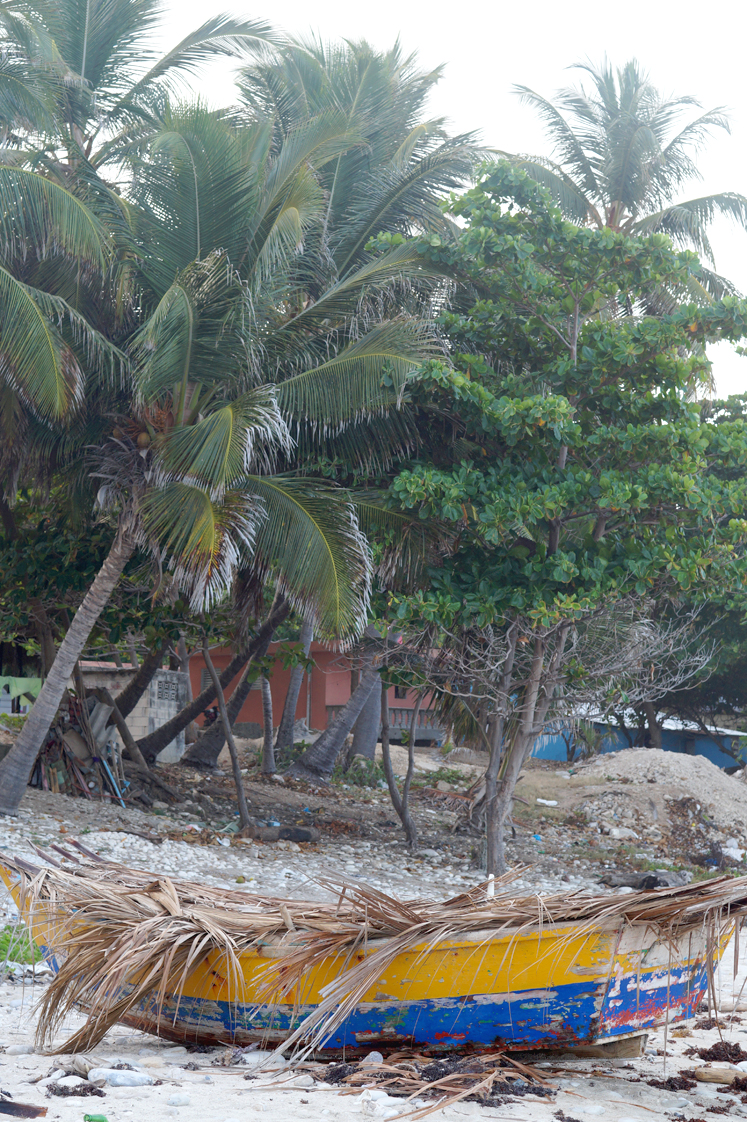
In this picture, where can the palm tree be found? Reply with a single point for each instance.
(78, 75)
(621, 156)
(231, 352)
(394, 177)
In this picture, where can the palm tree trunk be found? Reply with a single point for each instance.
(190, 736)
(128, 698)
(288, 719)
(268, 753)
(244, 820)
(17, 765)
(317, 762)
(154, 742)
(366, 730)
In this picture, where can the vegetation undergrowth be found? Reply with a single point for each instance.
(16, 945)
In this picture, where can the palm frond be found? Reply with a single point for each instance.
(686, 222)
(365, 378)
(570, 151)
(162, 348)
(402, 197)
(220, 36)
(339, 301)
(574, 204)
(35, 359)
(202, 540)
(405, 545)
(39, 215)
(220, 448)
(311, 545)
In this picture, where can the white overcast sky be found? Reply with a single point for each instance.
(487, 48)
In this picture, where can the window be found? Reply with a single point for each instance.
(400, 692)
(206, 680)
(168, 691)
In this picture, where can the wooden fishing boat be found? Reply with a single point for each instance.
(615, 968)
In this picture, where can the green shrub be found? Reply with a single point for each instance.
(16, 945)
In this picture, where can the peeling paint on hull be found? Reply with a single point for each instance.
(577, 1014)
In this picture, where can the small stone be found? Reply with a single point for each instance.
(20, 1050)
(622, 833)
(71, 1081)
(158, 805)
(373, 1058)
(180, 1099)
(113, 1077)
(304, 1081)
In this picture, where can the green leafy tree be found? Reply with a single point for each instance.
(622, 155)
(578, 482)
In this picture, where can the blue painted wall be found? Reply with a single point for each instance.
(552, 747)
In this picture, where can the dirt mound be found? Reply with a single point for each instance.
(679, 776)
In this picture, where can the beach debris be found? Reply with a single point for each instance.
(432, 1084)
(20, 1110)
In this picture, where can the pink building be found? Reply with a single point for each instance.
(324, 690)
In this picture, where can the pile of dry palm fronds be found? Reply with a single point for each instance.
(491, 1080)
(124, 936)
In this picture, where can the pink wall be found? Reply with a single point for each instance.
(329, 685)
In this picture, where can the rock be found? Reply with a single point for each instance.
(181, 1098)
(373, 1058)
(72, 1081)
(19, 1050)
(442, 785)
(113, 1077)
(622, 833)
(287, 833)
(721, 1073)
(158, 805)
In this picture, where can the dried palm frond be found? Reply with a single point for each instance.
(445, 1081)
(124, 937)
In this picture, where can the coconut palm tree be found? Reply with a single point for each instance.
(403, 164)
(78, 74)
(622, 154)
(231, 355)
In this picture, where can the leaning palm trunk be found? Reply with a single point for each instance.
(206, 749)
(317, 762)
(244, 819)
(17, 765)
(288, 720)
(152, 744)
(138, 684)
(366, 730)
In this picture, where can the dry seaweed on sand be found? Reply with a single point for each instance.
(124, 936)
(491, 1079)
